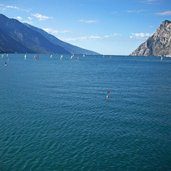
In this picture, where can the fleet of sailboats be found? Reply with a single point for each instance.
(73, 56)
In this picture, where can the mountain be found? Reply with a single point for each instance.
(67, 46)
(17, 37)
(159, 44)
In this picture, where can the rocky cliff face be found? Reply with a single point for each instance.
(159, 44)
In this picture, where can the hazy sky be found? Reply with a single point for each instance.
(105, 26)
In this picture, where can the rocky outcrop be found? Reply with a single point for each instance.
(159, 44)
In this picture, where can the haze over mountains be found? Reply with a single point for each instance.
(159, 44)
(17, 37)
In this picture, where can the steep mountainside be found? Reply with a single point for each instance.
(159, 44)
(17, 37)
(10, 45)
(67, 46)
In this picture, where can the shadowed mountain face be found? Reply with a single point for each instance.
(159, 44)
(16, 37)
(10, 45)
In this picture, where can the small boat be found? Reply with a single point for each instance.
(161, 58)
(51, 56)
(36, 57)
(108, 94)
(25, 56)
(61, 57)
(5, 63)
(72, 56)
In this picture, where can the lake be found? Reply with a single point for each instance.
(104, 113)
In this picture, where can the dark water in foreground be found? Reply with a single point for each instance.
(54, 115)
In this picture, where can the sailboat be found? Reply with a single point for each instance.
(36, 57)
(161, 58)
(25, 56)
(72, 56)
(61, 57)
(51, 56)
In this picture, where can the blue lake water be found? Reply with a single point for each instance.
(54, 115)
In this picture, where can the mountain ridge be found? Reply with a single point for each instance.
(159, 44)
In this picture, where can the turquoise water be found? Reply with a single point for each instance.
(54, 115)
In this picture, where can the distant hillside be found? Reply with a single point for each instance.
(69, 47)
(159, 44)
(17, 37)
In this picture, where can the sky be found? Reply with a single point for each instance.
(113, 27)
